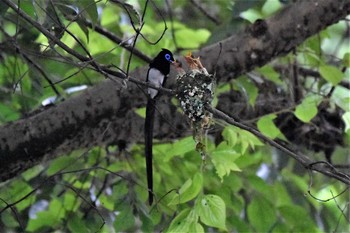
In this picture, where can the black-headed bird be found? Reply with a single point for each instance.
(157, 73)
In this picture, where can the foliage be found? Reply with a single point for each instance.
(242, 185)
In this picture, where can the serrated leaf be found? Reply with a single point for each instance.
(212, 211)
(332, 74)
(250, 139)
(307, 109)
(188, 190)
(230, 135)
(267, 127)
(261, 214)
(223, 160)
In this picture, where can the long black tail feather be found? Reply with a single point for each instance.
(150, 109)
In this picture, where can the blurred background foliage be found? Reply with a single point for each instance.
(243, 186)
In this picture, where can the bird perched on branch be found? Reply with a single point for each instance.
(157, 73)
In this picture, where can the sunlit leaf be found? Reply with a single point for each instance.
(267, 127)
(59, 164)
(332, 74)
(270, 74)
(188, 190)
(212, 211)
(230, 135)
(180, 148)
(307, 109)
(223, 160)
(184, 222)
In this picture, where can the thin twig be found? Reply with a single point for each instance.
(328, 170)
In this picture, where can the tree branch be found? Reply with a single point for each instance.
(105, 113)
(304, 160)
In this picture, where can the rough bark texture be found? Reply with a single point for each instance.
(105, 113)
(276, 36)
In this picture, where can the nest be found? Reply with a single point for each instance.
(195, 90)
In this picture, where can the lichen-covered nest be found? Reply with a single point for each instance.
(194, 89)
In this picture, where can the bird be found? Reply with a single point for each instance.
(157, 73)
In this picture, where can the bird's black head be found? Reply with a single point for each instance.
(162, 61)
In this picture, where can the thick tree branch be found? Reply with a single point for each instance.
(276, 36)
(105, 113)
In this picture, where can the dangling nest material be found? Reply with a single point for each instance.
(195, 90)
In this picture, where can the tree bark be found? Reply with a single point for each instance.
(105, 113)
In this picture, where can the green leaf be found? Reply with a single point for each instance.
(188, 190)
(8, 218)
(332, 74)
(59, 164)
(230, 135)
(8, 113)
(180, 148)
(89, 9)
(261, 214)
(48, 218)
(249, 139)
(28, 8)
(124, 220)
(16, 191)
(198, 37)
(107, 202)
(346, 119)
(32, 172)
(346, 60)
(307, 109)
(297, 218)
(212, 211)
(247, 87)
(141, 112)
(283, 197)
(223, 159)
(184, 222)
(270, 74)
(76, 224)
(267, 127)
(71, 202)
